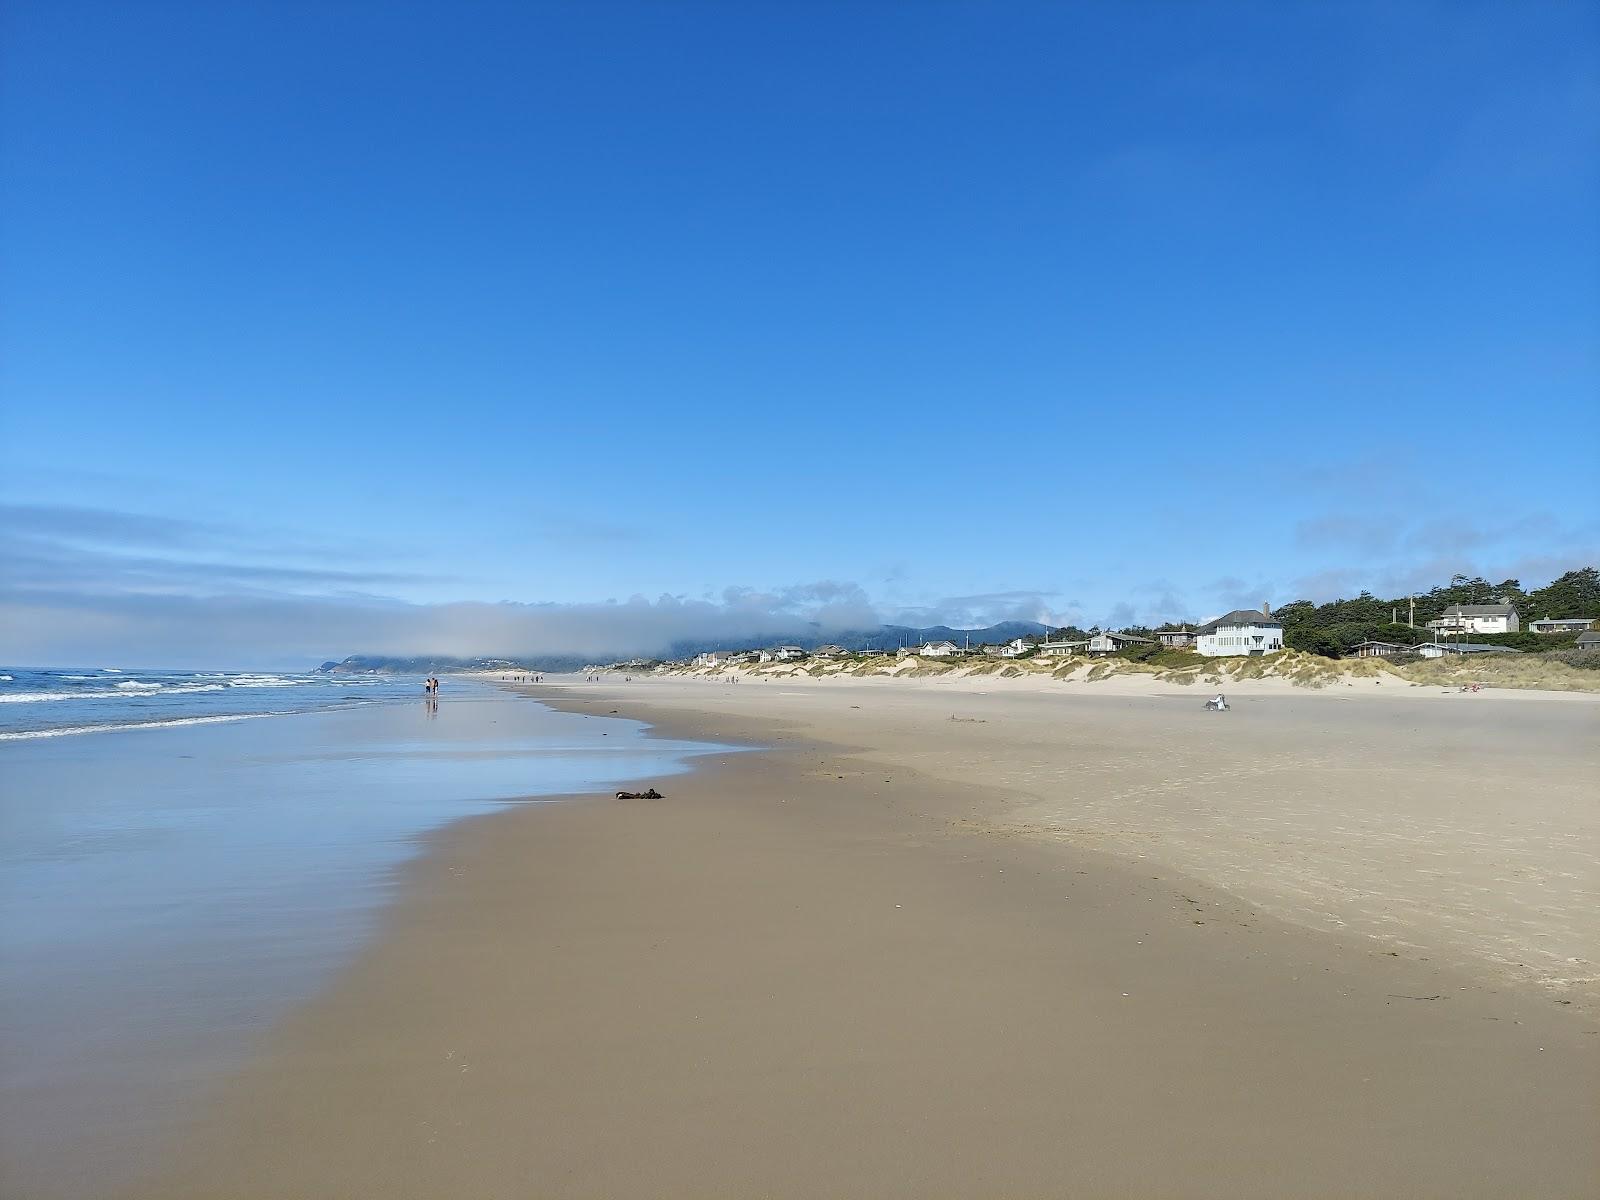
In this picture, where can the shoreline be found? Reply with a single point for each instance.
(790, 977)
(172, 894)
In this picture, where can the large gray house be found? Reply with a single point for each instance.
(1243, 631)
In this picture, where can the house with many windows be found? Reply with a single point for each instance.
(1478, 618)
(1110, 643)
(1562, 625)
(1243, 631)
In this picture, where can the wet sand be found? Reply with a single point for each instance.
(829, 970)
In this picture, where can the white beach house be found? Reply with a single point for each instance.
(1110, 643)
(1243, 631)
(938, 650)
(787, 653)
(1478, 618)
(1012, 649)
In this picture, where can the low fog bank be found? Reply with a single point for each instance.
(298, 633)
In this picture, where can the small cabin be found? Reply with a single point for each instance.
(1376, 649)
(1062, 649)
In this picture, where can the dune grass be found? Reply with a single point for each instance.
(1568, 670)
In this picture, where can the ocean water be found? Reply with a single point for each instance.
(183, 860)
(81, 700)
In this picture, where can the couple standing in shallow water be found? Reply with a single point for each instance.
(431, 685)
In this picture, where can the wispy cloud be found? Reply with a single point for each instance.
(1398, 552)
(98, 526)
(1369, 535)
(1387, 481)
(124, 530)
(579, 529)
(1230, 592)
(51, 547)
(38, 565)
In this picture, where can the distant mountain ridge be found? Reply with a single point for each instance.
(886, 637)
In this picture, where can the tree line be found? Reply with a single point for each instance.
(1332, 629)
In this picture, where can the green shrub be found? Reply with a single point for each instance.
(1584, 660)
(1524, 640)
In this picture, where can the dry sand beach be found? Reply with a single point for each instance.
(967, 941)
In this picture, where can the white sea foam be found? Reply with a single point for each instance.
(5, 678)
(252, 680)
(71, 730)
(137, 685)
(122, 692)
(32, 697)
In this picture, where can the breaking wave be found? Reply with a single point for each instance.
(117, 727)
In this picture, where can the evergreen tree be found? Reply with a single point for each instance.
(1575, 594)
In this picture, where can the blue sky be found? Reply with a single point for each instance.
(421, 323)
